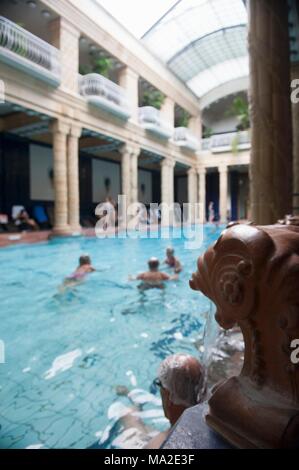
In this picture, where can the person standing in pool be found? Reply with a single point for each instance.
(172, 261)
(85, 267)
(153, 278)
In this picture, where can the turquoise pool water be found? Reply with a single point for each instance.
(66, 354)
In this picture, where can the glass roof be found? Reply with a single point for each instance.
(204, 42)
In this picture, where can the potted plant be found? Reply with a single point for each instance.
(183, 119)
(154, 98)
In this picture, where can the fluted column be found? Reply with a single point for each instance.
(271, 151)
(223, 173)
(73, 179)
(167, 187)
(192, 193)
(129, 172)
(171, 165)
(135, 151)
(202, 190)
(192, 186)
(60, 131)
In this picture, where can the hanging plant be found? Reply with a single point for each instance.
(153, 98)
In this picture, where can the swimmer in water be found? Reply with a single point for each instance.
(153, 278)
(85, 267)
(172, 261)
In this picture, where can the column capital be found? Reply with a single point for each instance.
(130, 148)
(75, 130)
(201, 170)
(168, 161)
(59, 127)
(191, 170)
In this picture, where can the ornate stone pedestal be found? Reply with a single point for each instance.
(252, 276)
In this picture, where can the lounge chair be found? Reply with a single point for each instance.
(41, 217)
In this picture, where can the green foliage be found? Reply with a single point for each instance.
(183, 119)
(153, 98)
(207, 132)
(85, 69)
(100, 65)
(240, 110)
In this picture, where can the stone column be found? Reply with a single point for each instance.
(223, 173)
(73, 179)
(295, 117)
(65, 37)
(129, 172)
(171, 165)
(125, 172)
(202, 189)
(128, 79)
(60, 131)
(167, 186)
(192, 192)
(165, 181)
(135, 151)
(271, 151)
(167, 111)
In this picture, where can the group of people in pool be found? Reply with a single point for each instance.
(153, 278)
(181, 377)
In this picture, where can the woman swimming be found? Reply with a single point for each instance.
(85, 267)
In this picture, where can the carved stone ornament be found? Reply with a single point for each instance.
(252, 275)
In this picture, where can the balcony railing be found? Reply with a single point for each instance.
(104, 93)
(25, 51)
(227, 142)
(184, 138)
(150, 119)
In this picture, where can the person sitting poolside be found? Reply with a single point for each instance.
(85, 267)
(181, 382)
(25, 222)
(172, 261)
(153, 278)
